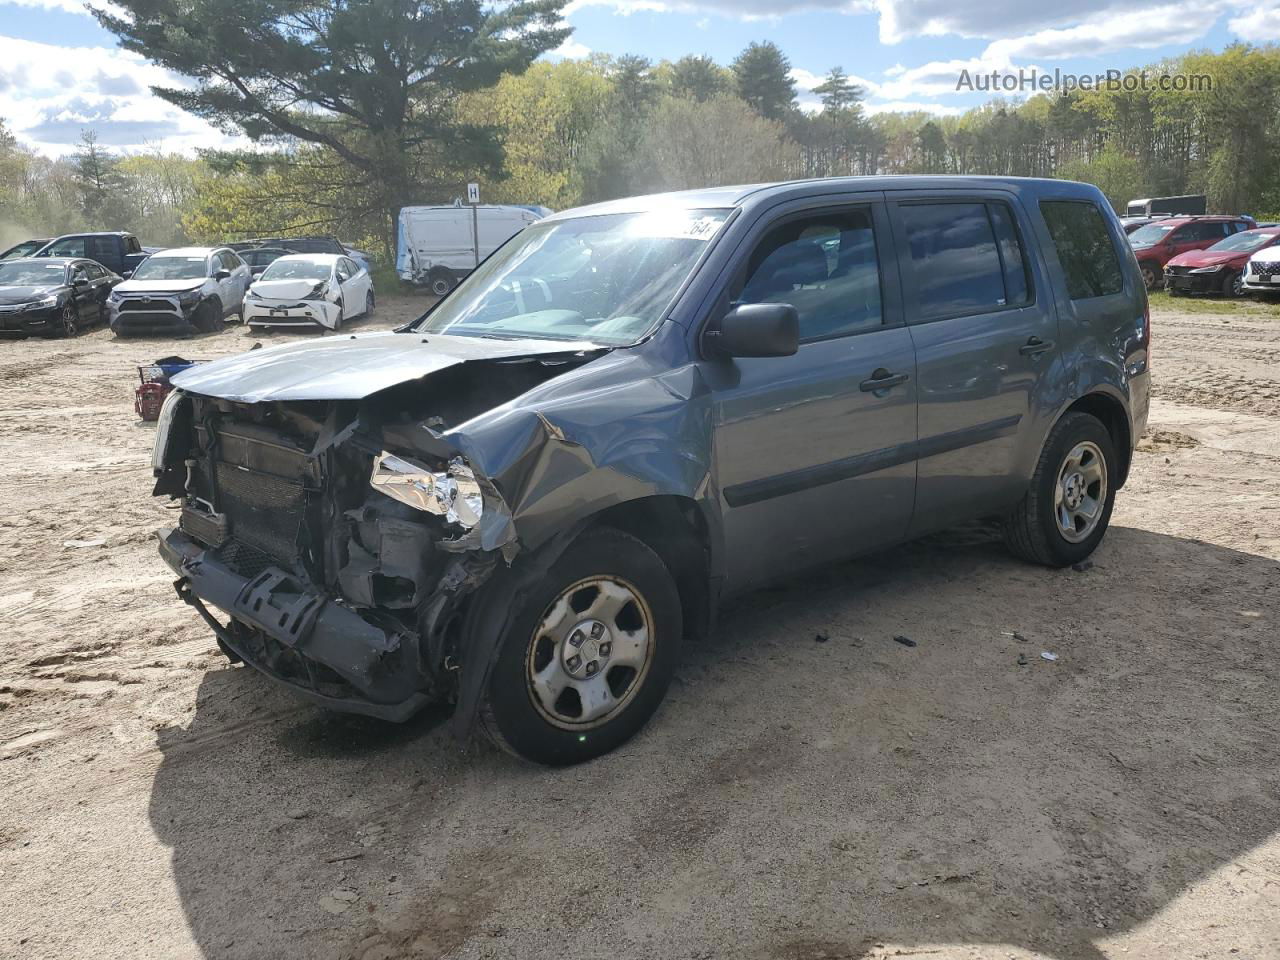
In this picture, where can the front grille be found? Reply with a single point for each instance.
(245, 560)
(1265, 271)
(264, 512)
(148, 305)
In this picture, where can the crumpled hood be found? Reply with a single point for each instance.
(351, 368)
(159, 286)
(10, 295)
(283, 289)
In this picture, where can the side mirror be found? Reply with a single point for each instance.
(126, 275)
(222, 275)
(758, 330)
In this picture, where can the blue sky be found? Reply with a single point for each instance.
(60, 72)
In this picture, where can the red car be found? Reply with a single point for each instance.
(1220, 268)
(1157, 243)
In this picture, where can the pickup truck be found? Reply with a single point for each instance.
(119, 252)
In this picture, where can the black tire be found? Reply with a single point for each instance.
(440, 281)
(342, 315)
(1233, 284)
(68, 322)
(1031, 529)
(206, 318)
(369, 304)
(1151, 275)
(510, 715)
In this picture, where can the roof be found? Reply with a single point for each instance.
(313, 257)
(184, 252)
(768, 193)
(62, 260)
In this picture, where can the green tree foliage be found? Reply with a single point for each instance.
(373, 82)
(762, 77)
(837, 91)
(691, 143)
(699, 78)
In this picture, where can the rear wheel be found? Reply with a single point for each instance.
(589, 656)
(342, 315)
(369, 304)
(1067, 507)
(441, 281)
(1150, 275)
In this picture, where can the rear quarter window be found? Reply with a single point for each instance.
(1084, 246)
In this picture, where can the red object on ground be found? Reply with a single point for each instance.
(148, 398)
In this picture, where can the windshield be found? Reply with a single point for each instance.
(1243, 243)
(172, 268)
(605, 279)
(297, 270)
(32, 274)
(1151, 233)
(23, 249)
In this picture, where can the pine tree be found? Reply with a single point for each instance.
(762, 74)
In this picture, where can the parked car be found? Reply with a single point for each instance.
(1158, 243)
(1220, 268)
(179, 292)
(259, 258)
(52, 297)
(361, 257)
(24, 249)
(309, 290)
(1262, 272)
(118, 252)
(438, 246)
(524, 501)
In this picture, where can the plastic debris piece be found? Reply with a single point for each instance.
(1022, 660)
(821, 638)
(1046, 655)
(905, 641)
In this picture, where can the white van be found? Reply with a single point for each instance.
(438, 246)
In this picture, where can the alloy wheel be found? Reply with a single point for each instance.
(68, 321)
(1080, 494)
(590, 653)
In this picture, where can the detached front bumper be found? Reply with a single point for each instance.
(320, 650)
(302, 313)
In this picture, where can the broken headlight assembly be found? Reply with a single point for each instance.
(164, 426)
(453, 493)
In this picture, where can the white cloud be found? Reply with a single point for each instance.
(571, 49)
(97, 88)
(1112, 32)
(1258, 23)
(740, 9)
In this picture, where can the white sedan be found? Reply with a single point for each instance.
(309, 290)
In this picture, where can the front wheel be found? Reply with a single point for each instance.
(1067, 507)
(1233, 284)
(68, 324)
(369, 304)
(1150, 276)
(588, 657)
(440, 281)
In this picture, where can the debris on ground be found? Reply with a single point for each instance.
(1082, 566)
(1046, 655)
(820, 638)
(905, 641)
(1022, 660)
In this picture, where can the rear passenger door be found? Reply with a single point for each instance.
(986, 344)
(815, 453)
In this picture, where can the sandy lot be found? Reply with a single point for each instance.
(794, 799)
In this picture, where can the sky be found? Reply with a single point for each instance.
(61, 73)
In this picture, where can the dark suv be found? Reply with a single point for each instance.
(523, 502)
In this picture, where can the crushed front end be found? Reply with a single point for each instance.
(340, 565)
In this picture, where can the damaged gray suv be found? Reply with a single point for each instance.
(523, 503)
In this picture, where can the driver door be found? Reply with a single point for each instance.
(816, 452)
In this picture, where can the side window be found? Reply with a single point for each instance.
(1017, 273)
(72, 247)
(826, 267)
(99, 248)
(79, 272)
(132, 245)
(352, 267)
(1084, 246)
(343, 273)
(955, 262)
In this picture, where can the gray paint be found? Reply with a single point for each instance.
(788, 461)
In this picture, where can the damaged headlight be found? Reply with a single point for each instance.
(164, 426)
(453, 494)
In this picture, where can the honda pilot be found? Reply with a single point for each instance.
(525, 502)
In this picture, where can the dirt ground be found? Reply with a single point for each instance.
(794, 799)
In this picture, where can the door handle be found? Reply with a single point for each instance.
(882, 381)
(1035, 346)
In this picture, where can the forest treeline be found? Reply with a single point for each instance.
(576, 131)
